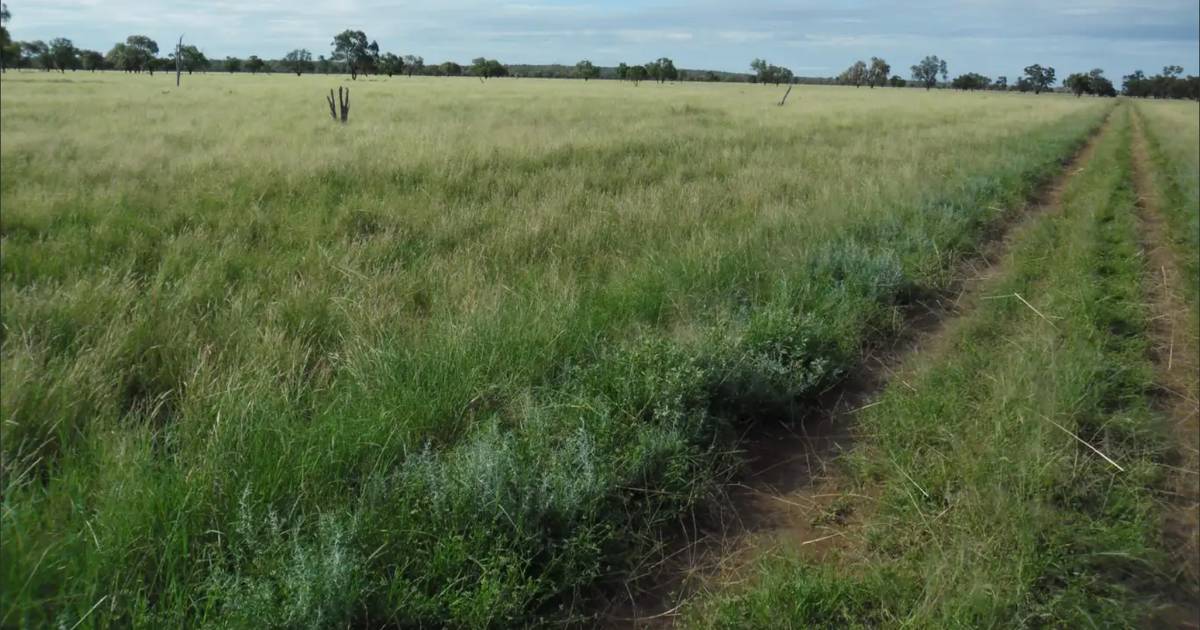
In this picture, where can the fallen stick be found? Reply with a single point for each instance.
(1084, 442)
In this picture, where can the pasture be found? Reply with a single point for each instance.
(473, 357)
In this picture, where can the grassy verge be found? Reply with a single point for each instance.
(1173, 133)
(992, 510)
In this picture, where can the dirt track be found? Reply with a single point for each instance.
(791, 494)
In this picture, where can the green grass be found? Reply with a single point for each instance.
(461, 361)
(988, 514)
(1173, 133)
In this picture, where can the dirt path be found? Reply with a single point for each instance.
(792, 495)
(1177, 377)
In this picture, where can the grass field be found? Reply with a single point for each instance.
(467, 359)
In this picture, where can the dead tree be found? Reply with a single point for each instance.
(785, 95)
(179, 61)
(343, 101)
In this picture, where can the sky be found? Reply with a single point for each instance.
(992, 37)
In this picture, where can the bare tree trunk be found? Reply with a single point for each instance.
(179, 60)
(343, 103)
(785, 95)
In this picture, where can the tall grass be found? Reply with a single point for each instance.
(458, 362)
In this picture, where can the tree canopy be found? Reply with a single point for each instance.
(63, 54)
(1039, 79)
(585, 70)
(1168, 84)
(487, 68)
(877, 72)
(927, 71)
(298, 61)
(855, 75)
(352, 48)
(971, 81)
(765, 72)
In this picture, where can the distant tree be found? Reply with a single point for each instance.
(390, 64)
(711, 77)
(1103, 87)
(352, 47)
(370, 63)
(324, 66)
(191, 59)
(91, 60)
(1079, 84)
(765, 72)
(298, 61)
(585, 70)
(760, 68)
(970, 81)
(897, 81)
(1099, 84)
(926, 73)
(622, 71)
(414, 64)
(663, 70)
(118, 58)
(450, 69)
(637, 74)
(233, 64)
(1001, 83)
(63, 54)
(1169, 84)
(37, 52)
(855, 75)
(1135, 84)
(141, 51)
(254, 64)
(1040, 79)
(877, 72)
(487, 68)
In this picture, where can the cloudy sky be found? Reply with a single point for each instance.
(994, 37)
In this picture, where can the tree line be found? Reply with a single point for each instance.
(933, 72)
(353, 53)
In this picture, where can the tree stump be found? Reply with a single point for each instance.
(342, 104)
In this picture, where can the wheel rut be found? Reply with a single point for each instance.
(1173, 351)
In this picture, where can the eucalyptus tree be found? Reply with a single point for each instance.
(140, 53)
(352, 48)
(877, 72)
(414, 64)
(298, 61)
(927, 71)
(1039, 79)
(63, 54)
(585, 70)
(855, 75)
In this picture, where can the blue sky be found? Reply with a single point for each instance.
(994, 37)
